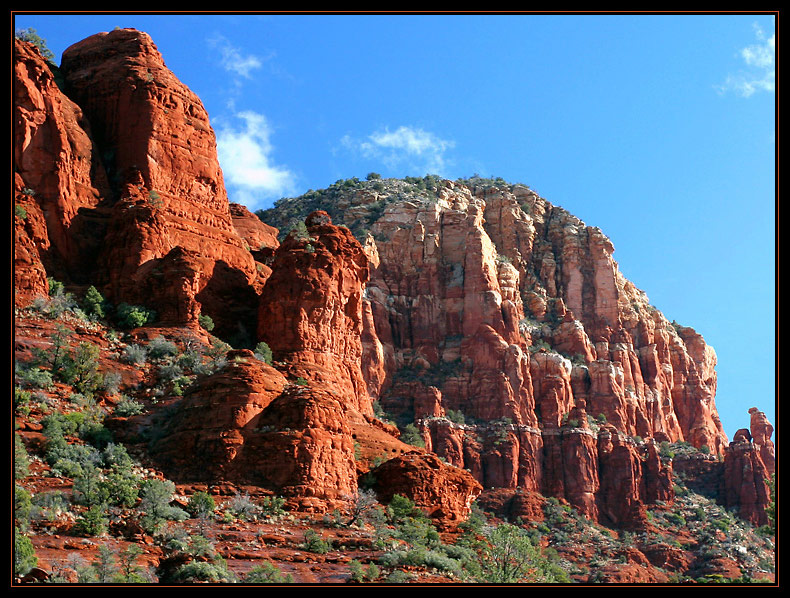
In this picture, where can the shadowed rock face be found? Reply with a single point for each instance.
(247, 424)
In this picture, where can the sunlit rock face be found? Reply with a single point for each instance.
(165, 185)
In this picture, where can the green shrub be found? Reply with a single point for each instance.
(128, 569)
(82, 369)
(122, 487)
(33, 377)
(242, 507)
(411, 435)
(266, 572)
(51, 505)
(206, 322)
(21, 459)
(456, 417)
(111, 383)
(134, 354)
(373, 572)
(314, 542)
(31, 36)
(299, 231)
(93, 522)
(23, 506)
(88, 490)
(133, 316)
(104, 568)
(161, 347)
(513, 557)
(200, 546)
(420, 556)
(24, 554)
(116, 456)
(398, 577)
(356, 571)
(273, 506)
(675, 519)
(401, 508)
(201, 504)
(94, 304)
(155, 506)
(201, 571)
(169, 372)
(190, 359)
(263, 352)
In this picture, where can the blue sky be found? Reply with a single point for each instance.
(659, 129)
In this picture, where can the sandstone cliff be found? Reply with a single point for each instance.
(489, 302)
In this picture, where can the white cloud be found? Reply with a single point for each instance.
(245, 155)
(233, 60)
(406, 147)
(760, 71)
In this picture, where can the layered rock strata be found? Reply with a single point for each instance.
(493, 303)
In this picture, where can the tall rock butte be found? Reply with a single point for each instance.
(485, 300)
(170, 236)
(495, 322)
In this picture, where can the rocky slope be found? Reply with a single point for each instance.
(440, 342)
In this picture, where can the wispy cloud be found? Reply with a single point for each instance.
(233, 59)
(759, 73)
(405, 147)
(245, 153)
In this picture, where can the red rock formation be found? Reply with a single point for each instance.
(58, 177)
(621, 496)
(30, 276)
(310, 310)
(570, 465)
(250, 228)
(489, 301)
(444, 492)
(651, 378)
(657, 476)
(744, 480)
(205, 437)
(761, 431)
(232, 424)
(308, 431)
(440, 294)
(160, 155)
(628, 573)
(513, 504)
